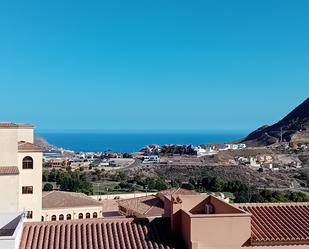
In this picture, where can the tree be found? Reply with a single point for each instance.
(48, 187)
(160, 184)
(126, 155)
(217, 184)
(188, 186)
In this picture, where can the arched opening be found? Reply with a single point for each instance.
(80, 216)
(53, 218)
(42, 218)
(61, 217)
(95, 215)
(27, 162)
(87, 215)
(69, 217)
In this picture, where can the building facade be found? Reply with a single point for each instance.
(61, 205)
(20, 171)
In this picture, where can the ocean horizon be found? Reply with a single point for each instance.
(125, 141)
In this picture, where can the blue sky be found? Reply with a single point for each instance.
(232, 65)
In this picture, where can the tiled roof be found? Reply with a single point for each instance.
(147, 205)
(98, 233)
(61, 199)
(178, 191)
(28, 147)
(110, 208)
(7, 125)
(9, 170)
(278, 223)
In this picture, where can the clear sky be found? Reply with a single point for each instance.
(152, 64)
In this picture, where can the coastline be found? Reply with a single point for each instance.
(134, 141)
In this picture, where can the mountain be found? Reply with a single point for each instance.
(41, 142)
(294, 126)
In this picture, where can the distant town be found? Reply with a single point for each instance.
(259, 182)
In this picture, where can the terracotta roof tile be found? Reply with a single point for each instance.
(28, 147)
(98, 233)
(61, 199)
(178, 191)
(7, 125)
(9, 170)
(278, 223)
(146, 206)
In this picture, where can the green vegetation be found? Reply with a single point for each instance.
(69, 181)
(48, 187)
(101, 182)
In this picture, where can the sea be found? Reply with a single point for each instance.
(119, 141)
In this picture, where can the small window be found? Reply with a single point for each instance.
(80, 216)
(27, 162)
(69, 217)
(95, 215)
(42, 218)
(27, 190)
(53, 218)
(87, 215)
(61, 217)
(29, 214)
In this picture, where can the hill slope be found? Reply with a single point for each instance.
(295, 124)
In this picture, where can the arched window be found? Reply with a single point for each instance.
(69, 217)
(42, 218)
(80, 216)
(95, 215)
(87, 215)
(53, 218)
(27, 162)
(61, 217)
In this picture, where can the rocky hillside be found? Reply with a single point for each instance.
(293, 126)
(40, 141)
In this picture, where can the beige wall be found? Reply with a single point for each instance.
(8, 147)
(47, 213)
(31, 177)
(25, 134)
(186, 228)
(227, 228)
(9, 193)
(11, 185)
(209, 232)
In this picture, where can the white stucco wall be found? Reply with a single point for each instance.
(8, 147)
(25, 134)
(11, 196)
(31, 177)
(9, 193)
(74, 211)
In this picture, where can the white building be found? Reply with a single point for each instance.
(59, 205)
(234, 147)
(20, 171)
(209, 150)
(151, 159)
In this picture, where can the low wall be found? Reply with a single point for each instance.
(121, 196)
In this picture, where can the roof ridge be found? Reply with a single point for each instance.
(139, 197)
(156, 202)
(84, 221)
(271, 204)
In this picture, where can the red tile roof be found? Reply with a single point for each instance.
(98, 234)
(278, 223)
(28, 147)
(177, 191)
(9, 170)
(62, 199)
(7, 125)
(144, 206)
